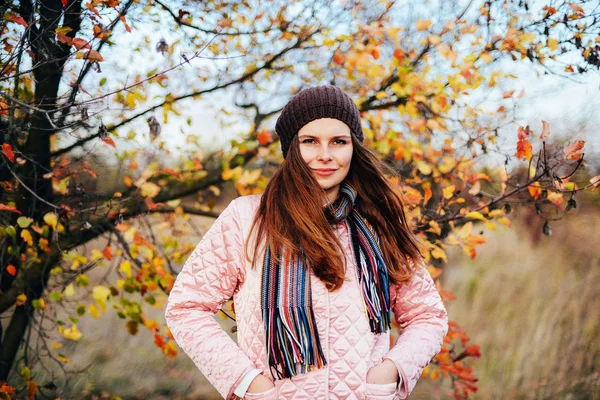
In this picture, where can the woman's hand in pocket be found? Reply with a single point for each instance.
(260, 384)
(385, 372)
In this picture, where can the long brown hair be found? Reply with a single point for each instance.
(291, 214)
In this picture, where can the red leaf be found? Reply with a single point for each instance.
(64, 3)
(12, 271)
(18, 20)
(108, 140)
(80, 43)
(8, 152)
(473, 351)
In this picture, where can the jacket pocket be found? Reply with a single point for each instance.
(270, 394)
(380, 391)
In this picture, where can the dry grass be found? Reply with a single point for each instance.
(534, 310)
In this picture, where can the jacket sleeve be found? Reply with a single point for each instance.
(423, 320)
(209, 278)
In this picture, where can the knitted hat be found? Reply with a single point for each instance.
(314, 103)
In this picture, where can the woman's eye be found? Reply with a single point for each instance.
(307, 140)
(341, 141)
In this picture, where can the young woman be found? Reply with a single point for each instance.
(316, 266)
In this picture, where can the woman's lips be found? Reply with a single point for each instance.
(324, 172)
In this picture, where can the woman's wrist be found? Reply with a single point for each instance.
(260, 384)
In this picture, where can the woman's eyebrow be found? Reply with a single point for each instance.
(315, 137)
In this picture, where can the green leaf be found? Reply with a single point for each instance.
(82, 280)
(26, 373)
(102, 81)
(55, 296)
(80, 310)
(24, 222)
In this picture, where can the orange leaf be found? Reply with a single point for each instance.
(3, 108)
(534, 191)
(595, 181)
(338, 59)
(8, 152)
(64, 39)
(92, 55)
(12, 271)
(375, 53)
(575, 150)
(122, 18)
(108, 253)
(4, 207)
(264, 137)
(576, 8)
(524, 149)
(423, 24)
(399, 55)
(507, 94)
(108, 140)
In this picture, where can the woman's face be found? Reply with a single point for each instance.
(326, 147)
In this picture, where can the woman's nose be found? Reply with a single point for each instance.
(324, 154)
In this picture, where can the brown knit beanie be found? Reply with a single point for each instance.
(314, 103)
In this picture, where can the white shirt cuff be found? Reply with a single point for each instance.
(242, 387)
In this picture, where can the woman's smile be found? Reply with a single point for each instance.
(324, 171)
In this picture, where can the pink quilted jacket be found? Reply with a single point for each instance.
(217, 270)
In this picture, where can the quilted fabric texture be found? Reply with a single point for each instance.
(217, 269)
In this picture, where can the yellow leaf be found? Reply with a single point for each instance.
(423, 24)
(439, 254)
(63, 359)
(504, 221)
(21, 299)
(26, 235)
(465, 230)
(424, 168)
(448, 191)
(476, 215)
(72, 333)
(97, 255)
(101, 293)
(490, 225)
(552, 44)
(435, 227)
(149, 189)
(51, 219)
(69, 290)
(170, 350)
(94, 311)
(126, 268)
(55, 346)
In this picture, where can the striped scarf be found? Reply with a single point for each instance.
(292, 339)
